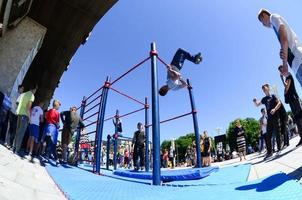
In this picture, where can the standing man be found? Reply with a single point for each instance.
(12, 125)
(71, 120)
(138, 142)
(23, 113)
(50, 135)
(291, 48)
(263, 129)
(272, 104)
(292, 98)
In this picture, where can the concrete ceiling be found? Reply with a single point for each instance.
(68, 24)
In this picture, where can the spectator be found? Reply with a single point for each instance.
(23, 112)
(36, 117)
(71, 121)
(240, 138)
(138, 142)
(50, 136)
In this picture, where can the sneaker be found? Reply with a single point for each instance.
(300, 143)
(197, 58)
(268, 155)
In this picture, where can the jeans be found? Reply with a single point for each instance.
(299, 74)
(138, 152)
(273, 127)
(261, 141)
(22, 123)
(179, 58)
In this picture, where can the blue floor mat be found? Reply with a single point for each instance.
(226, 175)
(169, 175)
(79, 184)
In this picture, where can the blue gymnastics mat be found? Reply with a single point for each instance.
(225, 175)
(78, 184)
(169, 175)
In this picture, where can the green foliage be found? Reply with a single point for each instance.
(251, 127)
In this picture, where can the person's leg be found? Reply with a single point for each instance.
(23, 123)
(268, 138)
(65, 141)
(141, 156)
(135, 157)
(181, 55)
(277, 131)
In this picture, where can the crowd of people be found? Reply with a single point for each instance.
(31, 132)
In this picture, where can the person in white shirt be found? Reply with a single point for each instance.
(36, 117)
(174, 78)
(291, 48)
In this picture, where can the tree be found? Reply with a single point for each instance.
(251, 127)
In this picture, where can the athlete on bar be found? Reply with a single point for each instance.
(174, 78)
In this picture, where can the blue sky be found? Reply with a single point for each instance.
(239, 56)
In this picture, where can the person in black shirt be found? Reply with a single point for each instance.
(71, 120)
(138, 142)
(272, 104)
(292, 98)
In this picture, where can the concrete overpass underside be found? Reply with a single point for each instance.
(68, 24)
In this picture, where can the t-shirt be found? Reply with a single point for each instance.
(174, 84)
(25, 98)
(139, 138)
(52, 116)
(270, 102)
(293, 43)
(35, 114)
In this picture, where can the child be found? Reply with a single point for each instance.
(174, 79)
(36, 117)
(50, 136)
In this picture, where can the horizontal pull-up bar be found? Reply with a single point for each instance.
(173, 118)
(92, 108)
(90, 124)
(91, 115)
(87, 104)
(89, 133)
(87, 142)
(131, 69)
(129, 97)
(94, 93)
(124, 115)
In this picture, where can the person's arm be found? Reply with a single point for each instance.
(173, 73)
(28, 107)
(81, 124)
(284, 46)
(287, 85)
(134, 139)
(282, 79)
(256, 102)
(273, 111)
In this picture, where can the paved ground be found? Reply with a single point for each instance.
(22, 179)
(288, 161)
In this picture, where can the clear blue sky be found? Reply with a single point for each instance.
(239, 56)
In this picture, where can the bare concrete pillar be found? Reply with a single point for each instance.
(18, 47)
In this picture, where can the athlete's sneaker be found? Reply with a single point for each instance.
(197, 58)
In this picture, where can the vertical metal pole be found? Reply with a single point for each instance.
(108, 151)
(147, 165)
(78, 137)
(100, 125)
(195, 122)
(115, 140)
(155, 117)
